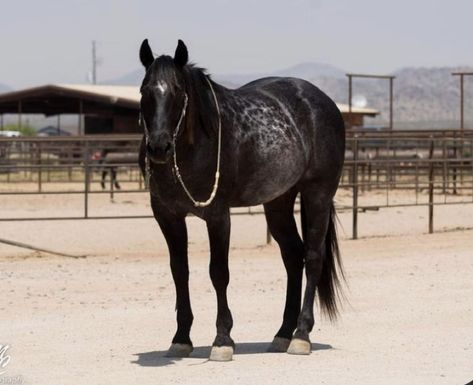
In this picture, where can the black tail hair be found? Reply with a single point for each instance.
(329, 287)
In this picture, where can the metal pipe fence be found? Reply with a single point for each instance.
(429, 168)
(434, 165)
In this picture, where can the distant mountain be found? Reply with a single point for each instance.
(432, 94)
(4, 88)
(133, 78)
(427, 97)
(302, 70)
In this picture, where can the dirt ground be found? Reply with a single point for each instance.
(109, 318)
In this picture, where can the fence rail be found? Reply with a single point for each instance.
(430, 167)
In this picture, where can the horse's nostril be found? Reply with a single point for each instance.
(168, 147)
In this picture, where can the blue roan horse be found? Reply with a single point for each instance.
(208, 148)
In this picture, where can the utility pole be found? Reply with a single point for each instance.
(94, 62)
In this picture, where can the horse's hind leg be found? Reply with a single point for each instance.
(317, 208)
(280, 217)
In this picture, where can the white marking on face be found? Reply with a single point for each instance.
(162, 87)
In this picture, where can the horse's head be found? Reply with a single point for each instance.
(163, 99)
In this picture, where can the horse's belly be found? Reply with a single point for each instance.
(268, 179)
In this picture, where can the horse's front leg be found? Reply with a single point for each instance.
(175, 231)
(219, 236)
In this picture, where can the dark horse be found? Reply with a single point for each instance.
(262, 143)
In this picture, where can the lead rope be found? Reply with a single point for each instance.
(219, 146)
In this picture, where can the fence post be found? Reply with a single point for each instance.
(355, 187)
(39, 168)
(431, 186)
(112, 179)
(444, 165)
(86, 180)
(455, 156)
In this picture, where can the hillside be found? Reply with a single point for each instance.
(427, 97)
(4, 88)
(302, 70)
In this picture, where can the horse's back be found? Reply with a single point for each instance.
(311, 109)
(291, 131)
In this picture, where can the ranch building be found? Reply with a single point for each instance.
(103, 109)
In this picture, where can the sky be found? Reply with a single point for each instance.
(49, 41)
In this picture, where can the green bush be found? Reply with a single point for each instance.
(25, 128)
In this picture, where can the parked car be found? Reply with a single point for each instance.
(10, 134)
(52, 131)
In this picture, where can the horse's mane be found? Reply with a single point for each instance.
(201, 113)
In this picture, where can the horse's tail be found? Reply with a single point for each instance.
(329, 286)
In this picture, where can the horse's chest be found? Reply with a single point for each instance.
(169, 192)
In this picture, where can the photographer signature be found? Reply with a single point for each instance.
(4, 358)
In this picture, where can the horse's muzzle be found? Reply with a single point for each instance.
(159, 154)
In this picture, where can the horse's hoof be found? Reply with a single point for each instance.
(179, 350)
(221, 353)
(279, 345)
(298, 346)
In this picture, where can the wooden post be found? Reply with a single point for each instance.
(81, 114)
(19, 114)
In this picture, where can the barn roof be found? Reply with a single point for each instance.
(52, 99)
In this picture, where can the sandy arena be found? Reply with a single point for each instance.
(109, 318)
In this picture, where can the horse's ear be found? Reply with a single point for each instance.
(181, 55)
(146, 55)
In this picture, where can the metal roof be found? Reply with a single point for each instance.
(49, 99)
(344, 109)
(53, 99)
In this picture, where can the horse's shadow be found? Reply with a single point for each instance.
(158, 358)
